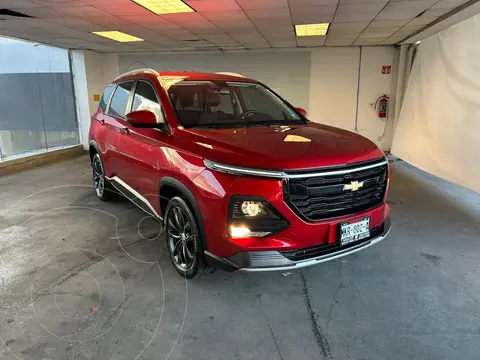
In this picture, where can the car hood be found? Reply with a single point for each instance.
(283, 147)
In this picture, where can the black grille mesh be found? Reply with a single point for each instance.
(323, 197)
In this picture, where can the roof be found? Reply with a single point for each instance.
(186, 75)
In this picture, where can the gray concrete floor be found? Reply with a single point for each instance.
(78, 280)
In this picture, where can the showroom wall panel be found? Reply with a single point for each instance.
(439, 125)
(37, 102)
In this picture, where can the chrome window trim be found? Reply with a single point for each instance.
(239, 170)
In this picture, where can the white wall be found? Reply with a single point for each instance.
(338, 75)
(92, 71)
(439, 125)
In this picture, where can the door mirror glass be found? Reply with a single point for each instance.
(142, 119)
(303, 112)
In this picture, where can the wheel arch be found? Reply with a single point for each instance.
(167, 183)
(93, 148)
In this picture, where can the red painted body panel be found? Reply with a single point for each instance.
(142, 157)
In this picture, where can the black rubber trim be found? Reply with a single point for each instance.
(191, 199)
(216, 262)
(94, 144)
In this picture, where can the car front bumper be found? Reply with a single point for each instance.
(255, 261)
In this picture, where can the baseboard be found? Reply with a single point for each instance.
(31, 161)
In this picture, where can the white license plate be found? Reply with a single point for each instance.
(354, 231)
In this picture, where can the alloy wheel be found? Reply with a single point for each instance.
(180, 239)
(98, 176)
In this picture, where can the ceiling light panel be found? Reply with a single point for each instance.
(165, 6)
(311, 29)
(117, 36)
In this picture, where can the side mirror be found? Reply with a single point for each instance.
(144, 119)
(303, 112)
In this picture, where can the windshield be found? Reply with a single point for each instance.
(220, 104)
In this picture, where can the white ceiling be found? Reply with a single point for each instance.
(225, 24)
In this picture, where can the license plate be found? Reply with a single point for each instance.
(354, 231)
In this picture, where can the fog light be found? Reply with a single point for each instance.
(244, 232)
(239, 231)
(251, 208)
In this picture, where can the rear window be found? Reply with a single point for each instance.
(107, 93)
(119, 102)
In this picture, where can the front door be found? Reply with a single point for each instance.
(140, 149)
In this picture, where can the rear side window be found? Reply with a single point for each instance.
(106, 97)
(146, 99)
(119, 102)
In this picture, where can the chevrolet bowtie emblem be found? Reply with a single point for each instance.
(354, 185)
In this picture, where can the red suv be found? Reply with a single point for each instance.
(239, 177)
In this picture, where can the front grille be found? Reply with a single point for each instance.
(323, 196)
(319, 250)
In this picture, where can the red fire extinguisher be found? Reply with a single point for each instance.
(382, 103)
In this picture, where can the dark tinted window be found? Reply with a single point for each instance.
(106, 97)
(146, 99)
(260, 101)
(118, 104)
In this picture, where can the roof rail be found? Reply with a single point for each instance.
(229, 73)
(137, 71)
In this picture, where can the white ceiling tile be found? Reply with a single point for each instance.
(422, 20)
(56, 3)
(248, 37)
(271, 27)
(392, 40)
(448, 4)
(40, 12)
(217, 38)
(347, 28)
(313, 14)
(70, 21)
(86, 11)
(283, 44)
(312, 41)
(376, 35)
(339, 41)
(417, 5)
(360, 1)
(362, 42)
(354, 17)
(152, 22)
(106, 2)
(131, 9)
(305, 3)
(280, 37)
(396, 15)
(18, 4)
(179, 34)
(381, 30)
(435, 12)
(213, 5)
(277, 13)
(225, 15)
(234, 26)
(385, 23)
(347, 9)
(262, 4)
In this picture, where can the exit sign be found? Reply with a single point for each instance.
(386, 69)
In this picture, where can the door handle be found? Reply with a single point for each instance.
(102, 122)
(125, 130)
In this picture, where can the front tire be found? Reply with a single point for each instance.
(184, 241)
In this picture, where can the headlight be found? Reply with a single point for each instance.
(253, 217)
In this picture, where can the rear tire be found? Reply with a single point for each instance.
(184, 241)
(103, 189)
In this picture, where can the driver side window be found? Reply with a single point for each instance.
(258, 101)
(145, 98)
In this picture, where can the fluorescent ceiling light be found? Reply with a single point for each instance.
(311, 29)
(165, 6)
(117, 36)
